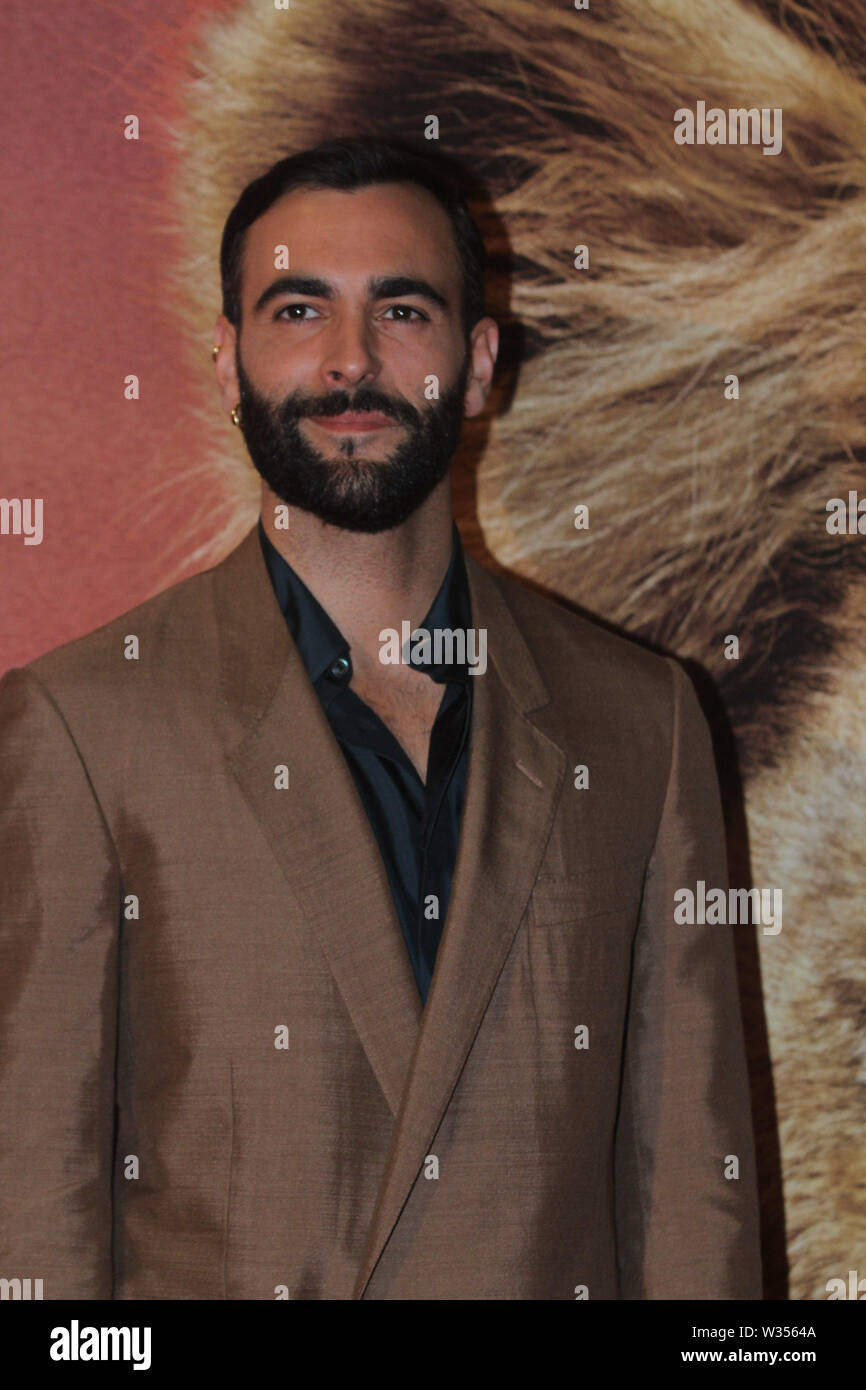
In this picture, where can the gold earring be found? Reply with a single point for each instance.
(214, 352)
(236, 414)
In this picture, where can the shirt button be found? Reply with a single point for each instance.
(340, 670)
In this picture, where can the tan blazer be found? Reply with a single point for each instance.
(557, 1123)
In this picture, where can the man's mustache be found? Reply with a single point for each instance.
(340, 402)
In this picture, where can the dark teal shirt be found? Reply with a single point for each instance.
(417, 825)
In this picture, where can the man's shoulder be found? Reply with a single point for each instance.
(572, 647)
(176, 618)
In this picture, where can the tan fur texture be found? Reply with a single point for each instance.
(707, 515)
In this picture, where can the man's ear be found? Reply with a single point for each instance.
(483, 350)
(225, 338)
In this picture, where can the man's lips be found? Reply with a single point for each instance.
(355, 421)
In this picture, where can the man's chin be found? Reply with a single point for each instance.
(365, 522)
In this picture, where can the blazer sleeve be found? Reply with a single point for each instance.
(686, 1227)
(59, 920)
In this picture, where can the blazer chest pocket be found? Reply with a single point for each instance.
(592, 892)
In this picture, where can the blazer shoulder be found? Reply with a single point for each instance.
(570, 646)
(178, 615)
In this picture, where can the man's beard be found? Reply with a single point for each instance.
(344, 489)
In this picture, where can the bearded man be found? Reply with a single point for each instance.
(330, 976)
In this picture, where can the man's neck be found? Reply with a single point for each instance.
(368, 582)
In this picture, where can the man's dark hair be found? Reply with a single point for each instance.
(347, 164)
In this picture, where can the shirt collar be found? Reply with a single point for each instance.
(320, 641)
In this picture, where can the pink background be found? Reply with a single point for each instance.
(85, 217)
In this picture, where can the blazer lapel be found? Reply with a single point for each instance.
(317, 827)
(321, 837)
(514, 780)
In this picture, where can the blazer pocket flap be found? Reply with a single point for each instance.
(613, 887)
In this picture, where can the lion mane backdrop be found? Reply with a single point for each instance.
(707, 509)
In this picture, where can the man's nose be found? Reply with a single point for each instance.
(350, 355)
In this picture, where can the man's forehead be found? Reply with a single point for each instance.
(324, 227)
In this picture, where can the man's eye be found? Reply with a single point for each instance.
(403, 311)
(297, 318)
(406, 309)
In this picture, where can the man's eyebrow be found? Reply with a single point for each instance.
(294, 284)
(395, 286)
(379, 287)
